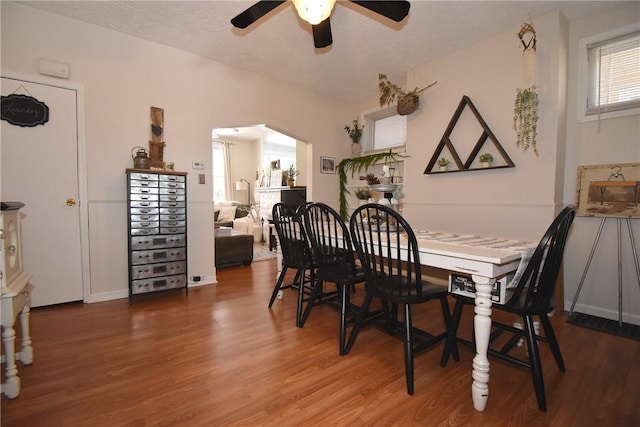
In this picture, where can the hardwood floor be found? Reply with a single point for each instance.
(220, 357)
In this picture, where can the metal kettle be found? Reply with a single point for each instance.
(141, 158)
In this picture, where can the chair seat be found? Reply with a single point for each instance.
(394, 289)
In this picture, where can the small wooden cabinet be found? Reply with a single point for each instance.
(157, 222)
(14, 297)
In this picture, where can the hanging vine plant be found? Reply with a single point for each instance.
(525, 118)
(356, 165)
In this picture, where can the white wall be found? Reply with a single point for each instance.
(516, 202)
(123, 77)
(520, 202)
(611, 141)
(244, 163)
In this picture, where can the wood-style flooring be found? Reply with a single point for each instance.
(220, 357)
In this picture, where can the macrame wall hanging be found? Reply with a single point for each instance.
(525, 111)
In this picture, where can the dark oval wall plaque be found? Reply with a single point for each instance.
(23, 110)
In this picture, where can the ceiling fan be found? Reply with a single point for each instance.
(317, 13)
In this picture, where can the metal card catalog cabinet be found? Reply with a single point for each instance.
(157, 219)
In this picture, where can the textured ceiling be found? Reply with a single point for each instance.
(280, 44)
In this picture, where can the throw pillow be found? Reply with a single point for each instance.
(242, 210)
(227, 213)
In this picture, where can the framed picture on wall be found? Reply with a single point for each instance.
(609, 190)
(327, 164)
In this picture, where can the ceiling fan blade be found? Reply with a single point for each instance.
(395, 10)
(255, 12)
(322, 34)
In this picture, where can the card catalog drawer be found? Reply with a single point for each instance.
(155, 270)
(158, 255)
(157, 242)
(156, 284)
(140, 176)
(172, 178)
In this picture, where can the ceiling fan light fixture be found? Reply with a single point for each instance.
(314, 11)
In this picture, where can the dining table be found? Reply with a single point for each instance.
(485, 259)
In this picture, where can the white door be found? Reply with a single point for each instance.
(40, 168)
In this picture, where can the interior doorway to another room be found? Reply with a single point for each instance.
(242, 173)
(242, 158)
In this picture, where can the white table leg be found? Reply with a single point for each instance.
(11, 387)
(482, 325)
(26, 351)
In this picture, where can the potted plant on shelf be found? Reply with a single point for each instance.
(363, 195)
(355, 134)
(290, 174)
(443, 163)
(407, 101)
(486, 159)
(371, 179)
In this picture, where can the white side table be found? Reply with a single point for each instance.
(13, 302)
(14, 297)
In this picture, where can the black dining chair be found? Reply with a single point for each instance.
(533, 296)
(296, 254)
(334, 255)
(388, 251)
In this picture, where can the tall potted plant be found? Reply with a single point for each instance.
(355, 134)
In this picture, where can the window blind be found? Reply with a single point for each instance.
(390, 132)
(614, 74)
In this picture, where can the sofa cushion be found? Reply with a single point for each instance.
(227, 213)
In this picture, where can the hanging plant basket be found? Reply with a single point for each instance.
(408, 104)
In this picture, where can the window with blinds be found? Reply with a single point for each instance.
(614, 74)
(611, 69)
(384, 130)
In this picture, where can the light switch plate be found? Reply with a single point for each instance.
(200, 178)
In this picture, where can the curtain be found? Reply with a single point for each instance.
(226, 156)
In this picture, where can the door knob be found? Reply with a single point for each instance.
(71, 202)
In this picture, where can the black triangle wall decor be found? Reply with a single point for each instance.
(485, 135)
